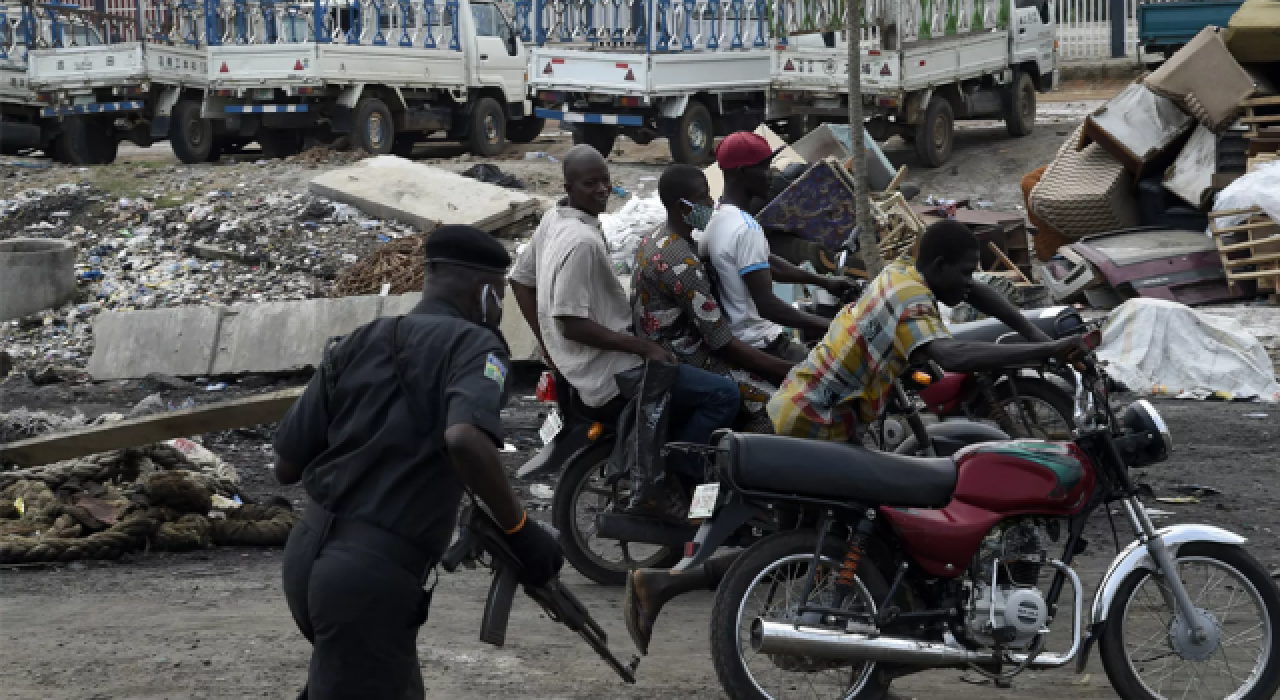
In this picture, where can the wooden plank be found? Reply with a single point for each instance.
(1263, 119)
(1260, 102)
(1233, 276)
(134, 432)
(1246, 245)
(1234, 212)
(1243, 227)
(1266, 257)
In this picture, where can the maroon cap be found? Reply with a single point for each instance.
(743, 149)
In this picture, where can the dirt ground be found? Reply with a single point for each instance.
(214, 624)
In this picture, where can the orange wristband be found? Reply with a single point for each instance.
(523, 518)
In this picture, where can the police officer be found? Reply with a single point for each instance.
(402, 414)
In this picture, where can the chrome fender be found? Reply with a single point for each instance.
(1135, 557)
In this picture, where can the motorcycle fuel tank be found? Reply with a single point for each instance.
(996, 480)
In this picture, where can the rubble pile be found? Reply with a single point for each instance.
(181, 243)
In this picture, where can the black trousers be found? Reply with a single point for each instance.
(361, 612)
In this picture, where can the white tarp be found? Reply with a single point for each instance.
(1158, 346)
(623, 229)
(1260, 188)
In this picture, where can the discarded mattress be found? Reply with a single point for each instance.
(1085, 191)
(1252, 31)
(1158, 346)
(1160, 263)
(1191, 175)
(1047, 239)
(819, 206)
(1204, 79)
(1138, 127)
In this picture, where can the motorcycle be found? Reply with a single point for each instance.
(602, 542)
(924, 563)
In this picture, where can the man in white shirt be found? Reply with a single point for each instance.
(736, 246)
(564, 284)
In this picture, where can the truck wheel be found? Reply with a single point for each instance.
(1020, 106)
(106, 148)
(525, 130)
(934, 135)
(374, 128)
(279, 143)
(695, 136)
(598, 136)
(488, 127)
(190, 136)
(85, 143)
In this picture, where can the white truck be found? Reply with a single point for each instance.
(925, 63)
(140, 78)
(687, 70)
(388, 73)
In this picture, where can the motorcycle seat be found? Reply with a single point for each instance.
(837, 471)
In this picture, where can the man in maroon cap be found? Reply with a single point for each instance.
(736, 246)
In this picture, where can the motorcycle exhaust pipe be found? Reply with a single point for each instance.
(635, 528)
(788, 640)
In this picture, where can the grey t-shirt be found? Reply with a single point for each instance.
(568, 262)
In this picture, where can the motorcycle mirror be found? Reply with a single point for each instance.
(851, 243)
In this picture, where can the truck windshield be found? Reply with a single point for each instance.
(81, 35)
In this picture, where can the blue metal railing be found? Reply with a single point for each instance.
(652, 25)
(423, 24)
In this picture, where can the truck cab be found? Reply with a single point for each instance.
(386, 74)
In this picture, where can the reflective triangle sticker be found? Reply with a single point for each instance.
(547, 70)
(298, 65)
(789, 66)
(223, 69)
(630, 75)
(884, 70)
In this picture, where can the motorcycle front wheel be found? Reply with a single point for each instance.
(1149, 653)
(581, 496)
(767, 581)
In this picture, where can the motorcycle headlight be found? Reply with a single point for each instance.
(1146, 440)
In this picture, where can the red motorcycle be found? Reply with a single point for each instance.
(908, 563)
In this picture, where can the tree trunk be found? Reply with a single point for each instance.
(868, 246)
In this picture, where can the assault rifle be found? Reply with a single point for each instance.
(479, 535)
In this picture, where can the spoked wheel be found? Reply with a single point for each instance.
(767, 582)
(1039, 411)
(581, 496)
(1148, 649)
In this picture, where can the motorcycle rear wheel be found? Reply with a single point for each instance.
(580, 497)
(782, 561)
(1242, 665)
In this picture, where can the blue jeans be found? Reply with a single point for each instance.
(701, 403)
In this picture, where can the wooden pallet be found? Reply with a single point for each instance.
(1259, 250)
(1270, 116)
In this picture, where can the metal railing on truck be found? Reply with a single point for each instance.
(18, 30)
(422, 24)
(170, 22)
(718, 25)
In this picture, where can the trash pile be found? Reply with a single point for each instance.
(181, 243)
(1184, 149)
(169, 496)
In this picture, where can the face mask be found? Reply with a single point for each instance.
(699, 215)
(485, 293)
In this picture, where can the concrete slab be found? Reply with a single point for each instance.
(520, 338)
(286, 336)
(389, 187)
(177, 342)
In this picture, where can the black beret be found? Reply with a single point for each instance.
(467, 246)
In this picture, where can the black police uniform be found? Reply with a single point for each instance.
(383, 494)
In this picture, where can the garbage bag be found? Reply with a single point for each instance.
(492, 174)
(642, 428)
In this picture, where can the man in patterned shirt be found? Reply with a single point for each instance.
(672, 303)
(846, 380)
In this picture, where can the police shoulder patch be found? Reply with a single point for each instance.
(494, 369)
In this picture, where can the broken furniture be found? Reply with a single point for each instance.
(1205, 80)
(1159, 263)
(1138, 128)
(1249, 250)
(1085, 191)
